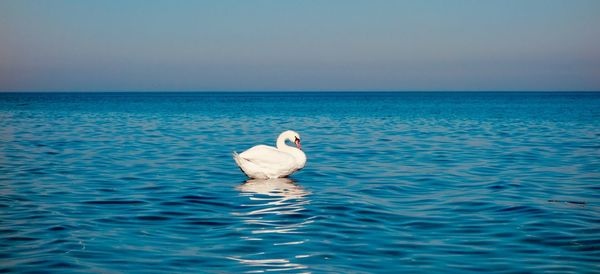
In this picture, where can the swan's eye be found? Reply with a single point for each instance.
(297, 139)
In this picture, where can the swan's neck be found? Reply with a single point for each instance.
(297, 153)
(281, 145)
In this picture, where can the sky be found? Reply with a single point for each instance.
(329, 45)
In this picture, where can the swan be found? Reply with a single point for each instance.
(267, 162)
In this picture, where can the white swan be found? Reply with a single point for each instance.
(266, 162)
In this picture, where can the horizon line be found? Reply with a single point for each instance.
(277, 91)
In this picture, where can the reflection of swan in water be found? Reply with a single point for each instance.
(276, 197)
(280, 187)
(268, 217)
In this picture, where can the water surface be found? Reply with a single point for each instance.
(395, 182)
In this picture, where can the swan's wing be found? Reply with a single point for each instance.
(269, 158)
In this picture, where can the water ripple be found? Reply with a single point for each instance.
(395, 182)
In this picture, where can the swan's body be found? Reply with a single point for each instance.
(266, 162)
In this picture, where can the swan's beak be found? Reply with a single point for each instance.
(297, 142)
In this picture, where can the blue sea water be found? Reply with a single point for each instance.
(395, 182)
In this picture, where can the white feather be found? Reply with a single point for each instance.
(265, 162)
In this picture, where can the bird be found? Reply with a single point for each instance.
(267, 162)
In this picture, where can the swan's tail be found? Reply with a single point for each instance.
(238, 161)
(236, 158)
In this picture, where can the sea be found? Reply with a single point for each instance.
(395, 182)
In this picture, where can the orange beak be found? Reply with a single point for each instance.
(297, 142)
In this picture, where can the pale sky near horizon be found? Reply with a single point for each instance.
(512, 45)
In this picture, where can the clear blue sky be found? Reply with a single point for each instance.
(299, 45)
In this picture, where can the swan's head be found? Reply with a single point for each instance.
(293, 137)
